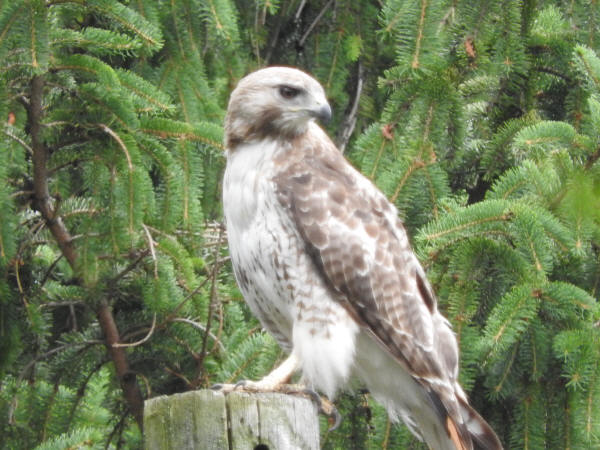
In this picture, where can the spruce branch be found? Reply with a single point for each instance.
(211, 305)
(127, 378)
(420, 36)
(81, 389)
(556, 73)
(592, 159)
(117, 429)
(44, 204)
(34, 361)
(7, 132)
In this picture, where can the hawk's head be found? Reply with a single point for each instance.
(276, 101)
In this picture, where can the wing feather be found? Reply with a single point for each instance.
(361, 250)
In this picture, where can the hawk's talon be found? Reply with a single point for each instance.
(241, 384)
(337, 419)
(314, 397)
(225, 388)
(325, 407)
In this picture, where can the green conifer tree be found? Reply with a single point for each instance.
(480, 121)
(111, 262)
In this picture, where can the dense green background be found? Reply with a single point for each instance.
(480, 120)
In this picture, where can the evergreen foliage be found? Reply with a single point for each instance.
(480, 121)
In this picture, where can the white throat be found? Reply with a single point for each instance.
(247, 174)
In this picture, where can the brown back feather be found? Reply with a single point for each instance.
(386, 292)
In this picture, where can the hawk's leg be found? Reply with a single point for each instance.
(278, 377)
(270, 383)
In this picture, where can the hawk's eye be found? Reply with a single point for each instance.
(288, 92)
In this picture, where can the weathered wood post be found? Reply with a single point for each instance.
(210, 420)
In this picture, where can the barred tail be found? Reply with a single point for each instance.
(481, 434)
(465, 428)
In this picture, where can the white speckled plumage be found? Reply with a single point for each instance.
(257, 230)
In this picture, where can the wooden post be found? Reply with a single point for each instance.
(210, 420)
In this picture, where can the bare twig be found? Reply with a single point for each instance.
(56, 123)
(21, 193)
(127, 378)
(211, 305)
(117, 429)
(73, 316)
(299, 10)
(592, 159)
(18, 278)
(82, 388)
(314, 23)
(276, 33)
(129, 268)
(152, 252)
(200, 327)
(187, 297)
(254, 37)
(50, 269)
(61, 304)
(219, 331)
(55, 169)
(556, 73)
(180, 376)
(141, 341)
(119, 141)
(18, 139)
(147, 384)
(347, 127)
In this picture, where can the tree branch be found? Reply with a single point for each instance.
(44, 204)
(17, 139)
(201, 328)
(141, 341)
(556, 73)
(347, 127)
(127, 378)
(275, 38)
(314, 23)
(592, 159)
(129, 268)
(211, 305)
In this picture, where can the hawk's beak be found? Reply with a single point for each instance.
(323, 113)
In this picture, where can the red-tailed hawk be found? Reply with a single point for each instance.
(325, 264)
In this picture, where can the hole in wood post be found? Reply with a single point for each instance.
(261, 447)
